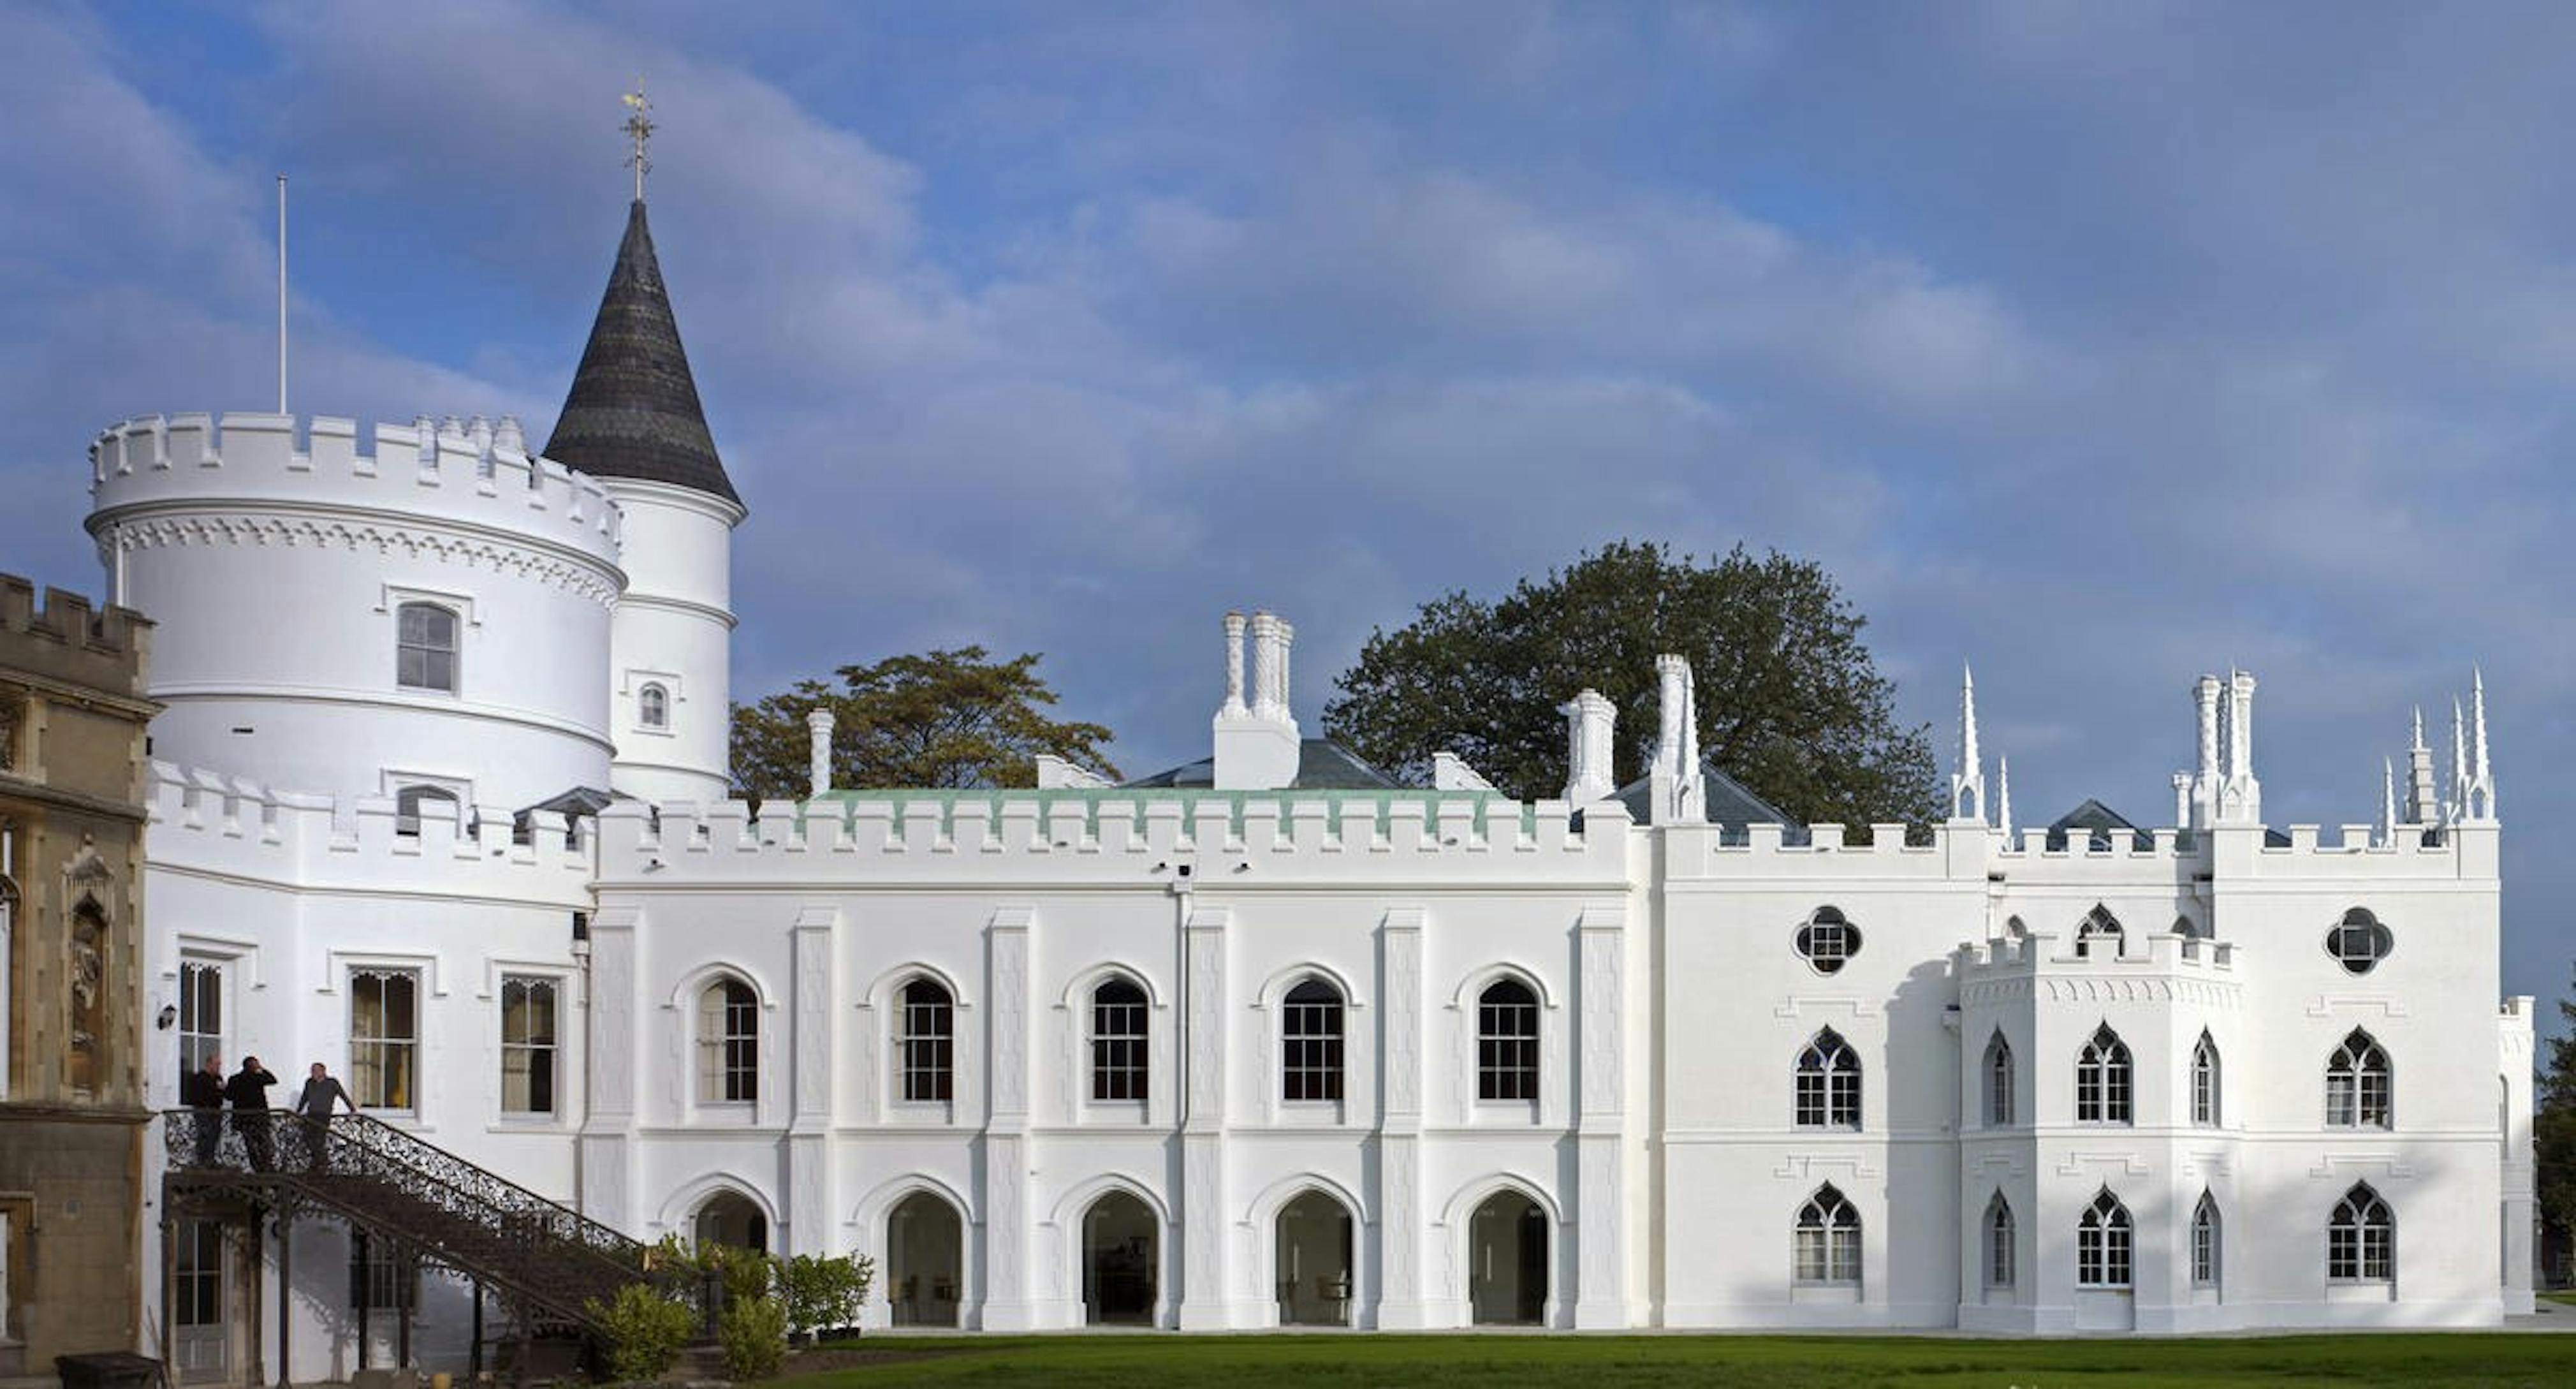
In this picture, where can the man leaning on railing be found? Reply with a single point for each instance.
(202, 1090)
(313, 1103)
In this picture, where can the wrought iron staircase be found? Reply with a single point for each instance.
(548, 1261)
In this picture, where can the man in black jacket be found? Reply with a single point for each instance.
(248, 1092)
(202, 1090)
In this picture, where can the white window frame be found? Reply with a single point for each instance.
(2208, 1073)
(1827, 940)
(728, 1042)
(2360, 1095)
(1825, 1241)
(552, 1050)
(2359, 1250)
(925, 1060)
(455, 651)
(2001, 1235)
(1826, 1085)
(390, 1045)
(2208, 1242)
(1121, 1042)
(2105, 1245)
(1322, 1058)
(2106, 1090)
(2001, 1083)
(1507, 1043)
(2360, 923)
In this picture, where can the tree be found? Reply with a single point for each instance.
(1790, 703)
(941, 719)
(2553, 1133)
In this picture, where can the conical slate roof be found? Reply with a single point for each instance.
(633, 409)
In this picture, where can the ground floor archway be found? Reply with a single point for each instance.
(925, 1261)
(730, 1218)
(1121, 1258)
(1507, 1261)
(1313, 1261)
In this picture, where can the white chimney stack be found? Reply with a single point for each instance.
(818, 734)
(1590, 719)
(1256, 746)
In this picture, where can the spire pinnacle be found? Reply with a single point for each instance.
(2003, 796)
(639, 128)
(2387, 801)
(1968, 780)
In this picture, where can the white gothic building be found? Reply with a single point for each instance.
(1267, 1038)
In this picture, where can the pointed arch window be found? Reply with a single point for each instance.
(728, 1043)
(1119, 1040)
(2358, 1094)
(1999, 1242)
(1999, 1081)
(1827, 1239)
(2102, 1244)
(1310, 1035)
(2361, 1239)
(2105, 1086)
(2204, 1242)
(2099, 925)
(1507, 1042)
(2204, 1081)
(928, 1046)
(1828, 1084)
(2359, 942)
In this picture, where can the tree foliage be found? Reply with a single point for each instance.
(941, 719)
(2553, 1133)
(1790, 703)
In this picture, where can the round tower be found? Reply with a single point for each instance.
(632, 420)
(420, 613)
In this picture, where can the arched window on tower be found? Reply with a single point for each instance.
(409, 800)
(2204, 1242)
(1828, 1083)
(2357, 1084)
(1827, 1239)
(425, 647)
(2361, 1239)
(2099, 925)
(2204, 1081)
(653, 707)
(728, 1043)
(1310, 1035)
(1999, 1081)
(2102, 1244)
(2105, 1088)
(927, 1048)
(1999, 1242)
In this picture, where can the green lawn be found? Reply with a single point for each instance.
(1771, 1362)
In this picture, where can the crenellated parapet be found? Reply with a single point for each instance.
(1234, 840)
(202, 821)
(69, 640)
(464, 491)
(2136, 968)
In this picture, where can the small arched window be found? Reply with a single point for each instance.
(1310, 1035)
(1828, 1083)
(1828, 1239)
(1999, 1081)
(2361, 1239)
(2204, 1242)
(2204, 1081)
(928, 1045)
(653, 707)
(1828, 940)
(409, 800)
(2105, 1088)
(728, 1043)
(2357, 1084)
(1507, 1042)
(2102, 1244)
(1999, 1242)
(2099, 924)
(425, 647)
(2359, 942)
(1119, 1063)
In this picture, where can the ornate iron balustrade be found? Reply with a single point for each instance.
(448, 1209)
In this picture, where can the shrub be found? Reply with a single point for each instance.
(753, 1332)
(646, 1331)
(821, 1293)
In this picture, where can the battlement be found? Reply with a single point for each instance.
(474, 472)
(2043, 952)
(1229, 839)
(68, 639)
(1958, 852)
(205, 821)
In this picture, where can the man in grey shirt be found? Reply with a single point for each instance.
(314, 1103)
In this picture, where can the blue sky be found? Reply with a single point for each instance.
(2096, 345)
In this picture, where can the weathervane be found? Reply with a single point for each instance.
(639, 125)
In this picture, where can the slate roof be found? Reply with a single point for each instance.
(2101, 825)
(1729, 803)
(633, 409)
(1322, 765)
